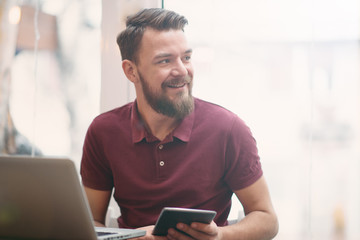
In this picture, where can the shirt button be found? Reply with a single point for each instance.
(162, 163)
(161, 146)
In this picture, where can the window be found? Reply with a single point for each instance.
(290, 69)
(51, 85)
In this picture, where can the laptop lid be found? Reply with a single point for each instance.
(42, 198)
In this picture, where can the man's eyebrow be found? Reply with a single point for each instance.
(162, 55)
(165, 55)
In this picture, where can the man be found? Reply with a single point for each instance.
(170, 149)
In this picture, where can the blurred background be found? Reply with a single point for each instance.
(289, 68)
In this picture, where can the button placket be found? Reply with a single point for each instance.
(161, 162)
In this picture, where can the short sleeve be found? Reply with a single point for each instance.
(95, 169)
(243, 166)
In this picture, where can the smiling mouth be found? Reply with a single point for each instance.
(176, 85)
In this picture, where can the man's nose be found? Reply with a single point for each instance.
(180, 68)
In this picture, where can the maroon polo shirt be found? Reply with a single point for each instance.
(199, 165)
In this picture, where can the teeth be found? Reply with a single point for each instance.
(176, 86)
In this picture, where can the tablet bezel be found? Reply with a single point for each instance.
(170, 216)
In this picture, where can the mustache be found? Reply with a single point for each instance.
(178, 81)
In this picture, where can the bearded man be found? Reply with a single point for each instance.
(170, 149)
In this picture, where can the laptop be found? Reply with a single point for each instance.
(42, 198)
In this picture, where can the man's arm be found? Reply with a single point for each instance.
(99, 202)
(260, 221)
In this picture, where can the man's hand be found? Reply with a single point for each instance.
(195, 231)
(149, 235)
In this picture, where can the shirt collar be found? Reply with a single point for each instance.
(139, 132)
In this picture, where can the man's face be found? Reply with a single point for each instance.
(166, 73)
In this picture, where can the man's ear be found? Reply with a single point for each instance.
(130, 71)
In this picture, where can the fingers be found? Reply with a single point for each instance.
(195, 231)
(177, 235)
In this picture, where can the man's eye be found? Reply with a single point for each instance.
(187, 58)
(164, 61)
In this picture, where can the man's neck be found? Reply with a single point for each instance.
(158, 124)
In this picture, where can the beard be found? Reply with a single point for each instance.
(179, 108)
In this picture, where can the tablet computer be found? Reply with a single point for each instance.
(170, 216)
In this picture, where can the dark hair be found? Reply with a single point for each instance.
(156, 18)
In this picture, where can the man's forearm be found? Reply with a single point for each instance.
(256, 225)
(98, 224)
